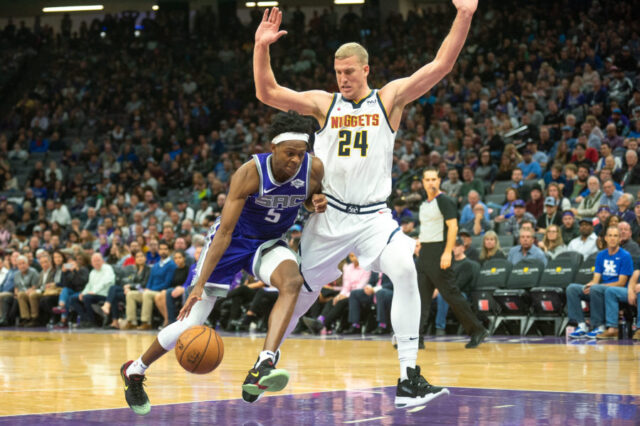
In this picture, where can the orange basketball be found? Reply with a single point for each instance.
(199, 349)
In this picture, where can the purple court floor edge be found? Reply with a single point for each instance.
(468, 406)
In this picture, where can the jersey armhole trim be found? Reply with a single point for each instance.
(384, 112)
(257, 161)
(326, 120)
(308, 183)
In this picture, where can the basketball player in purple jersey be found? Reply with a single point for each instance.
(262, 204)
(355, 144)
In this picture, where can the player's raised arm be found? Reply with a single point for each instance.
(268, 91)
(243, 183)
(399, 93)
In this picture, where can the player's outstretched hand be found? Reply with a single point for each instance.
(268, 31)
(468, 6)
(194, 297)
(319, 202)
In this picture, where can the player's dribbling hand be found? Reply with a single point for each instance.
(319, 202)
(194, 297)
(268, 30)
(445, 260)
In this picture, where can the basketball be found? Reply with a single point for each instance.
(199, 349)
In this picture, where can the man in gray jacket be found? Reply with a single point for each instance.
(25, 283)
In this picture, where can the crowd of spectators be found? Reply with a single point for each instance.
(125, 142)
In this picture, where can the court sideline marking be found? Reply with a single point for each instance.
(364, 390)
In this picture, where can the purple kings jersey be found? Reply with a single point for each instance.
(270, 212)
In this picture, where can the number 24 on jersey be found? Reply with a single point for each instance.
(359, 142)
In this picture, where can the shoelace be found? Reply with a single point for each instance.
(137, 387)
(420, 381)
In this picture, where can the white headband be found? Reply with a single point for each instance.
(290, 136)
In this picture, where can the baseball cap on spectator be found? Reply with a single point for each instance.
(568, 213)
(464, 232)
(606, 208)
(526, 152)
(550, 201)
(586, 220)
(625, 47)
(3, 198)
(616, 111)
(151, 160)
(37, 228)
(518, 203)
(295, 228)
(638, 203)
(567, 128)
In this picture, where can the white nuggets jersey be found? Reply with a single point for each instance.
(356, 148)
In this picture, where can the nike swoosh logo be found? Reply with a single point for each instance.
(255, 374)
(266, 192)
(126, 388)
(413, 338)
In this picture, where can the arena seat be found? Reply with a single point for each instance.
(515, 300)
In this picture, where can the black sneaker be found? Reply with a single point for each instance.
(352, 330)
(379, 331)
(264, 378)
(477, 338)
(134, 391)
(415, 390)
(313, 324)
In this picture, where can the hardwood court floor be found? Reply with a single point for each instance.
(45, 372)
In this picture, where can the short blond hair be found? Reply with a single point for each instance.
(353, 49)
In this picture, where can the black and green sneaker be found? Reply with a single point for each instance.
(134, 391)
(264, 378)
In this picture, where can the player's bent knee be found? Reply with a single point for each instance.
(291, 285)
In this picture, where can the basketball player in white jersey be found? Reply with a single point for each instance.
(355, 143)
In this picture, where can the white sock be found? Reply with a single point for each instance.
(583, 326)
(265, 355)
(407, 354)
(137, 367)
(396, 260)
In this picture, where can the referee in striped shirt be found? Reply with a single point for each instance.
(438, 232)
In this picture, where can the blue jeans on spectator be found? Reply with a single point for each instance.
(358, 299)
(612, 298)
(64, 297)
(171, 305)
(115, 295)
(83, 307)
(384, 296)
(595, 299)
(443, 309)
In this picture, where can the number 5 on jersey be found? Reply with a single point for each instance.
(359, 142)
(272, 216)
